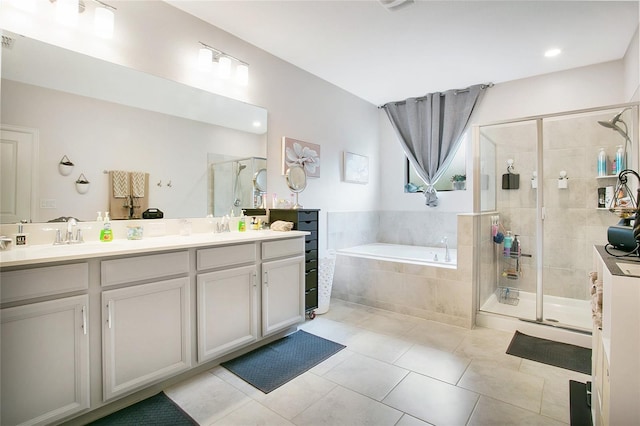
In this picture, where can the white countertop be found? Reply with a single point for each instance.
(46, 253)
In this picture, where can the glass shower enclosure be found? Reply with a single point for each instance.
(540, 203)
(236, 184)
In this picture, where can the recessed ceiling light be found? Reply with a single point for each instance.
(552, 52)
(256, 124)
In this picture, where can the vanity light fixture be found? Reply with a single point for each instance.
(205, 59)
(67, 12)
(28, 6)
(103, 20)
(209, 55)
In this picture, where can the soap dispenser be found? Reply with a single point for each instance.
(20, 238)
(106, 234)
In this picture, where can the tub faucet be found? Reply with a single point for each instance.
(444, 241)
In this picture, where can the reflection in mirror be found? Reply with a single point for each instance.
(297, 182)
(236, 184)
(457, 168)
(108, 117)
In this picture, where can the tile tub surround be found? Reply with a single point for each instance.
(348, 229)
(429, 292)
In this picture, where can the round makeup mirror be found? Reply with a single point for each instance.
(260, 180)
(297, 182)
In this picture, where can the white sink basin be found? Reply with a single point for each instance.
(629, 268)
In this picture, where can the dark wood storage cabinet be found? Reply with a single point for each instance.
(305, 220)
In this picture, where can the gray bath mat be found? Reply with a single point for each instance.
(558, 354)
(273, 365)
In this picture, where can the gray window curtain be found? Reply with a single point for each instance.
(430, 128)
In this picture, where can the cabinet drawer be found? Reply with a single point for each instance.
(311, 254)
(310, 245)
(138, 268)
(311, 280)
(310, 264)
(225, 256)
(282, 248)
(312, 236)
(310, 299)
(304, 216)
(38, 282)
(308, 225)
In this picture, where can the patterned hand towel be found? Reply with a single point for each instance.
(120, 182)
(138, 182)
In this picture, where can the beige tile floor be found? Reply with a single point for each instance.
(396, 370)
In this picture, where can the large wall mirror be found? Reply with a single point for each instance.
(104, 117)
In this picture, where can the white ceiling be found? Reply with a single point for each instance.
(381, 56)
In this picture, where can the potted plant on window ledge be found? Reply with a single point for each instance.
(459, 182)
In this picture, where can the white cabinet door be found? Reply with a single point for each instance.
(45, 361)
(282, 294)
(146, 334)
(227, 311)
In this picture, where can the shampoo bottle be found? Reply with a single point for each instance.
(602, 163)
(508, 240)
(106, 234)
(620, 160)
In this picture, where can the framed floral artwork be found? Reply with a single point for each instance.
(356, 168)
(305, 154)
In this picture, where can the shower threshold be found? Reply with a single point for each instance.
(559, 312)
(556, 324)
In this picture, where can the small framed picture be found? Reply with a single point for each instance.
(356, 168)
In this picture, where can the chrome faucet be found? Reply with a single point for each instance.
(444, 241)
(70, 238)
(71, 224)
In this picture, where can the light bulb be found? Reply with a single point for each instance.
(242, 74)
(67, 11)
(29, 6)
(205, 58)
(224, 67)
(103, 22)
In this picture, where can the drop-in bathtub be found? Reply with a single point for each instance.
(417, 255)
(405, 279)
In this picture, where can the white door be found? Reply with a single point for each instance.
(45, 361)
(227, 311)
(146, 334)
(282, 294)
(18, 164)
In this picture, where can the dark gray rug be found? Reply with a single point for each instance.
(158, 410)
(579, 404)
(273, 365)
(558, 354)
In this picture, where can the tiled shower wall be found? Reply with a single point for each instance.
(572, 224)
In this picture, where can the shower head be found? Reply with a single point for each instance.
(611, 124)
(241, 167)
